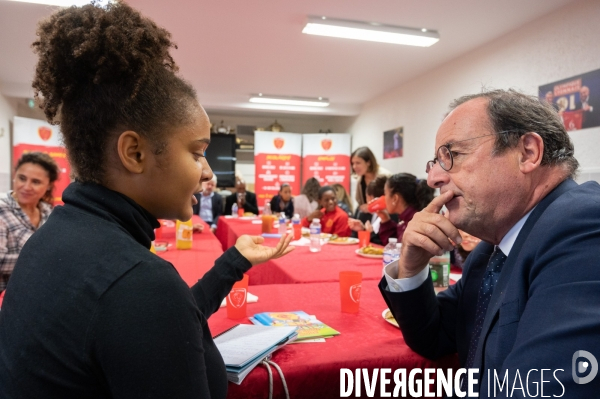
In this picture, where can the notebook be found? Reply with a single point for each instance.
(244, 346)
(308, 326)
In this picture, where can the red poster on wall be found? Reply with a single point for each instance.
(37, 135)
(326, 157)
(277, 161)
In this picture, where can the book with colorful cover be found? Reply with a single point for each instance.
(308, 327)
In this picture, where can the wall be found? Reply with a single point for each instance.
(7, 112)
(554, 47)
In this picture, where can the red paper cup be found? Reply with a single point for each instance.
(378, 204)
(350, 287)
(240, 211)
(297, 231)
(236, 300)
(158, 231)
(364, 238)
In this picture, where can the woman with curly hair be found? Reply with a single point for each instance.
(90, 311)
(26, 208)
(307, 202)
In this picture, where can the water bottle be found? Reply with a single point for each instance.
(297, 227)
(234, 210)
(390, 253)
(282, 224)
(315, 235)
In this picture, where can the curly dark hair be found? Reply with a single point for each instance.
(376, 187)
(104, 70)
(311, 189)
(415, 192)
(517, 113)
(48, 164)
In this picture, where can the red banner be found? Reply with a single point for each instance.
(277, 161)
(326, 157)
(36, 135)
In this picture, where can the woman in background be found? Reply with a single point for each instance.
(91, 312)
(405, 195)
(26, 208)
(343, 199)
(282, 202)
(371, 221)
(365, 167)
(307, 202)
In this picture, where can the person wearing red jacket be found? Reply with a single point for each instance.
(333, 219)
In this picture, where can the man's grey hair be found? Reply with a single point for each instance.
(518, 113)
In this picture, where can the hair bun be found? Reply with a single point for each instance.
(80, 48)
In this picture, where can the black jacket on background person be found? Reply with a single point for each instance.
(276, 206)
(249, 206)
(90, 312)
(217, 206)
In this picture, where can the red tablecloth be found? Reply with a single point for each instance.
(192, 263)
(300, 266)
(312, 370)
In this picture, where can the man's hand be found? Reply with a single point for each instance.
(198, 227)
(250, 248)
(355, 225)
(427, 234)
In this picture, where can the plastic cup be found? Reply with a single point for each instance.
(350, 287)
(364, 238)
(240, 212)
(267, 223)
(378, 204)
(297, 231)
(236, 299)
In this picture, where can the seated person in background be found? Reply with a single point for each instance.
(26, 208)
(282, 202)
(333, 219)
(459, 256)
(371, 221)
(244, 199)
(405, 195)
(307, 202)
(209, 206)
(343, 199)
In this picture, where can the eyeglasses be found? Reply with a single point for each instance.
(444, 154)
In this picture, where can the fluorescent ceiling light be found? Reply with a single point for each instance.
(282, 100)
(373, 32)
(63, 3)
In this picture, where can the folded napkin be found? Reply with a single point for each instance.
(305, 242)
(249, 299)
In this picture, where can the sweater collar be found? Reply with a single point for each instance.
(112, 206)
(408, 214)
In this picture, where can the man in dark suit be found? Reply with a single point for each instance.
(209, 206)
(244, 199)
(591, 113)
(529, 296)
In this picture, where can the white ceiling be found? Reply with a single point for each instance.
(229, 49)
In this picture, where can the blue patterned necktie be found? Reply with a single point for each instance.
(492, 274)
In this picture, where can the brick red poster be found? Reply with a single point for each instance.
(36, 135)
(327, 158)
(277, 161)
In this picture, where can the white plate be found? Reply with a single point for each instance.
(247, 218)
(348, 241)
(368, 255)
(391, 321)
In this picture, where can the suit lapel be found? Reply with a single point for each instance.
(500, 289)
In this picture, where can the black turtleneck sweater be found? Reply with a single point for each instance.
(90, 312)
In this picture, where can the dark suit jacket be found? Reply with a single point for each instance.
(217, 207)
(544, 308)
(288, 210)
(250, 205)
(590, 119)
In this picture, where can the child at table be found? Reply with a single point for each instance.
(333, 219)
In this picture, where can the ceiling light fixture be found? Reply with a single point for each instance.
(370, 31)
(284, 100)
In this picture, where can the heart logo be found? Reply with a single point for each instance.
(278, 142)
(45, 133)
(355, 292)
(237, 297)
(326, 144)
